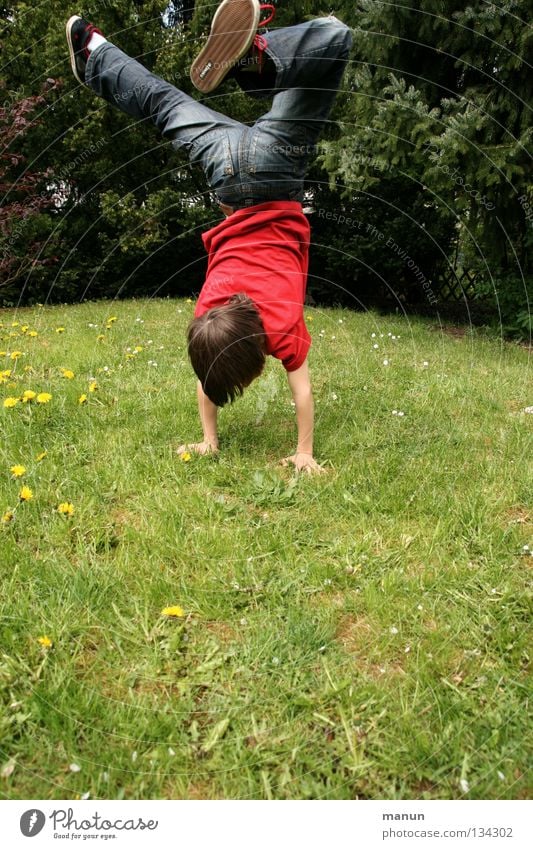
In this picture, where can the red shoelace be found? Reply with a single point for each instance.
(260, 42)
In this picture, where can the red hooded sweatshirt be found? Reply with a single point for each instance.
(263, 251)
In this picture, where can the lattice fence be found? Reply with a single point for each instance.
(455, 285)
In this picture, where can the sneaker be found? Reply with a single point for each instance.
(233, 32)
(79, 32)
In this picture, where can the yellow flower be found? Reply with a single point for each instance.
(60, 329)
(41, 456)
(8, 517)
(25, 494)
(82, 399)
(18, 471)
(68, 373)
(66, 508)
(24, 328)
(43, 397)
(173, 611)
(6, 372)
(111, 319)
(14, 324)
(185, 456)
(188, 301)
(28, 368)
(33, 333)
(15, 355)
(138, 349)
(93, 386)
(45, 641)
(28, 395)
(130, 356)
(100, 337)
(10, 402)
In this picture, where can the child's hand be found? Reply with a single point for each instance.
(198, 448)
(304, 462)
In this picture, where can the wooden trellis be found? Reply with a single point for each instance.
(453, 285)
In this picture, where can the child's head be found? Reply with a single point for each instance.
(227, 348)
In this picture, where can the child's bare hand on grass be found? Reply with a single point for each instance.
(198, 448)
(304, 462)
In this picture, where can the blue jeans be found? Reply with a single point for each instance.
(243, 165)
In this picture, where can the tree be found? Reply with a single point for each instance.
(25, 195)
(440, 99)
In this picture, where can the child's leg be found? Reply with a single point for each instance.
(304, 71)
(127, 84)
(310, 61)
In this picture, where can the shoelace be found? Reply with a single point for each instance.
(272, 8)
(89, 31)
(260, 42)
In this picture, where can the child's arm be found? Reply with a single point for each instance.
(208, 417)
(302, 394)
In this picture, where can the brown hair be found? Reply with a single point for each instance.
(227, 348)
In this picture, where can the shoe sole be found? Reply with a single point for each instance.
(68, 29)
(232, 33)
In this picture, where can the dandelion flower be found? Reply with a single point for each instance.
(173, 611)
(25, 494)
(45, 642)
(60, 329)
(111, 319)
(10, 402)
(41, 456)
(7, 517)
(33, 333)
(138, 349)
(15, 355)
(43, 398)
(185, 457)
(28, 395)
(24, 328)
(93, 386)
(18, 471)
(68, 373)
(82, 399)
(65, 508)
(100, 337)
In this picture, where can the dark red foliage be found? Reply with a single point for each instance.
(23, 193)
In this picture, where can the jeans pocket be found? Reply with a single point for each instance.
(212, 151)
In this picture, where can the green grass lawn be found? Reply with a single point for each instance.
(361, 634)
